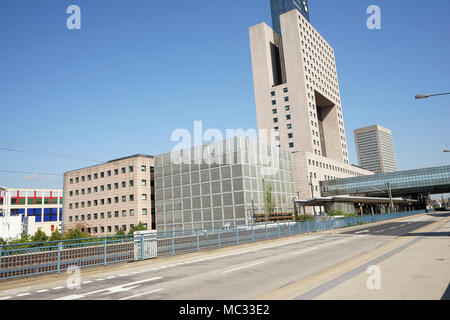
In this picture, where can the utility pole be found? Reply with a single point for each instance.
(391, 204)
(312, 192)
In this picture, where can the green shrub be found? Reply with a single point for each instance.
(305, 218)
(139, 227)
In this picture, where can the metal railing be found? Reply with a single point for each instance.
(25, 260)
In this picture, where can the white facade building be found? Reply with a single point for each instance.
(298, 103)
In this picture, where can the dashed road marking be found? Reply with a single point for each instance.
(244, 267)
(142, 294)
(23, 294)
(57, 288)
(41, 291)
(5, 298)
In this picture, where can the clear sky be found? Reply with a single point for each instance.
(139, 69)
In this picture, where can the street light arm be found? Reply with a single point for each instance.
(424, 96)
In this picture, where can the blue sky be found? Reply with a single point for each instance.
(139, 69)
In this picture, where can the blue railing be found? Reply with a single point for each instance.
(25, 260)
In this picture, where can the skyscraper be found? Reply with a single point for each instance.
(298, 101)
(278, 7)
(375, 149)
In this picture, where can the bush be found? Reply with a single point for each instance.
(56, 236)
(341, 213)
(39, 236)
(306, 218)
(2, 241)
(139, 227)
(121, 232)
(76, 234)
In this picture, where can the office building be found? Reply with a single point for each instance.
(375, 149)
(44, 205)
(221, 184)
(115, 195)
(298, 103)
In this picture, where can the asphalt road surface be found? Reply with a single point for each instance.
(413, 256)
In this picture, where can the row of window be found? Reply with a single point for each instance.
(102, 229)
(108, 187)
(108, 201)
(109, 215)
(108, 174)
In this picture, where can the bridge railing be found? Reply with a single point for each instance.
(33, 259)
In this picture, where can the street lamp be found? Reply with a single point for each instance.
(424, 96)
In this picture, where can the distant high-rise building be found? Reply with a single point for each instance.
(298, 103)
(279, 7)
(375, 149)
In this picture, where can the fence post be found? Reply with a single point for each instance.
(1, 249)
(237, 235)
(289, 226)
(279, 231)
(253, 233)
(173, 243)
(267, 234)
(105, 259)
(198, 241)
(299, 227)
(142, 247)
(218, 237)
(59, 257)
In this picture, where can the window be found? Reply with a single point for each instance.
(116, 199)
(124, 213)
(274, 102)
(124, 198)
(286, 99)
(144, 183)
(116, 185)
(124, 184)
(285, 90)
(144, 212)
(291, 144)
(276, 129)
(71, 181)
(143, 168)
(130, 168)
(89, 177)
(116, 214)
(288, 117)
(109, 186)
(131, 183)
(109, 173)
(70, 219)
(95, 216)
(131, 212)
(102, 174)
(275, 120)
(89, 190)
(144, 196)
(89, 216)
(131, 197)
(102, 188)
(82, 179)
(95, 175)
(102, 215)
(287, 108)
(95, 189)
(274, 111)
(272, 93)
(124, 170)
(289, 126)
(116, 172)
(290, 135)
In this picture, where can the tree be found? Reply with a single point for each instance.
(24, 238)
(56, 236)
(139, 227)
(121, 232)
(269, 202)
(76, 234)
(2, 241)
(39, 236)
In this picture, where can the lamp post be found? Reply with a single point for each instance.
(425, 96)
(389, 193)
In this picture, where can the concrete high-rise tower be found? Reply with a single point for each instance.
(375, 149)
(298, 100)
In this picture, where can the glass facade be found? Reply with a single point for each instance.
(428, 180)
(220, 184)
(279, 7)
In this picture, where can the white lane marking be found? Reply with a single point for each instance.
(41, 291)
(57, 288)
(364, 231)
(243, 267)
(5, 298)
(124, 275)
(392, 228)
(101, 279)
(111, 277)
(115, 289)
(141, 294)
(402, 225)
(87, 282)
(321, 246)
(136, 272)
(24, 294)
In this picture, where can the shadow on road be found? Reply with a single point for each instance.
(439, 215)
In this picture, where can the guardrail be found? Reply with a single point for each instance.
(25, 260)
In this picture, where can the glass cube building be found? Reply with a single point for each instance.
(220, 184)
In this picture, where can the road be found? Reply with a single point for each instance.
(412, 256)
